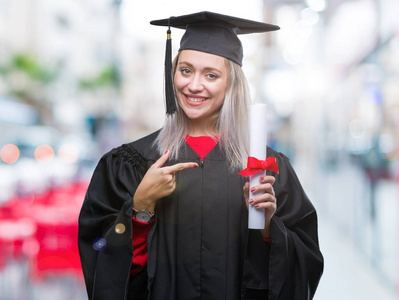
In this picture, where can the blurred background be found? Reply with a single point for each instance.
(78, 78)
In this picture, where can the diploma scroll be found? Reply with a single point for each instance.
(257, 148)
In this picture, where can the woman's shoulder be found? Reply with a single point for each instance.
(144, 145)
(274, 153)
(138, 153)
(282, 160)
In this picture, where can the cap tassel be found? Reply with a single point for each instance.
(169, 93)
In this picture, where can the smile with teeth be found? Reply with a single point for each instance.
(196, 99)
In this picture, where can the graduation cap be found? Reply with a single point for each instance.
(207, 32)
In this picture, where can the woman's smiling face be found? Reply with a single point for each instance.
(201, 81)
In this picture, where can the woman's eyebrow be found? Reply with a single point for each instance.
(192, 66)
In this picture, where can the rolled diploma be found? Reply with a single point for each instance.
(257, 149)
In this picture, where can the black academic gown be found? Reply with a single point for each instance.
(199, 245)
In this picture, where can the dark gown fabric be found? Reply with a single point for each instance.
(199, 245)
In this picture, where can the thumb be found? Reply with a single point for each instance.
(246, 191)
(162, 160)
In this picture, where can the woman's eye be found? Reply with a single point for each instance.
(185, 71)
(212, 76)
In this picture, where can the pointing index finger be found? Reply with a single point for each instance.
(180, 166)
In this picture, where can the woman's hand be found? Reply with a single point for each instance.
(265, 198)
(157, 183)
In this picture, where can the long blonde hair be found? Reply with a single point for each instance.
(231, 121)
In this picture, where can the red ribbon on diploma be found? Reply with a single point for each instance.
(255, 165)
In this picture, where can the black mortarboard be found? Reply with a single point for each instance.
(207, 32)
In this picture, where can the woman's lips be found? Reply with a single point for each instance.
(195, 100)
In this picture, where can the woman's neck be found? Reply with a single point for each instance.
(201, 129)
(196, 133)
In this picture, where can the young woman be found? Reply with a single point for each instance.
(166, 217)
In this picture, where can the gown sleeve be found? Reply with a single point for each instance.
(296, 263)
(105, 226)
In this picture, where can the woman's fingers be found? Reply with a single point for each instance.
(162, 160)
(263, 193)
(264, 198)
(174, 168)
(266, 185)
(265, 188)
(179, 167)
(267, 205)
(160, 181)
(267, 179)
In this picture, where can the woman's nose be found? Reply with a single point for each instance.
(196, 84)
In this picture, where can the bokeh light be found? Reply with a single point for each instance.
(9, 153)
(68, 153)
(357, 128)
(310, 16)
(31, 247)
(44, 154)
(99, 244)
(317, 5)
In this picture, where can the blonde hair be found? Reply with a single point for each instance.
(231, 121)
